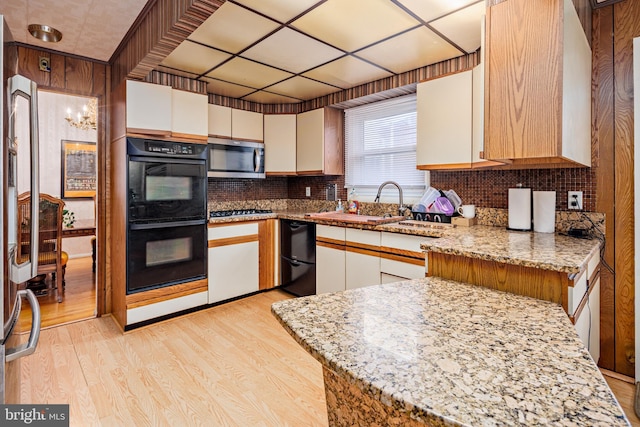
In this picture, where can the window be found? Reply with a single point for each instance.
(381, 146)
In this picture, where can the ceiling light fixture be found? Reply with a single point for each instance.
(86, 119)
(45, 33)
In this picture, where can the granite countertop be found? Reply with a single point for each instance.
(548, 251)
(455, 354)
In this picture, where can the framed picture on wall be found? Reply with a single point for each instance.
(79, 169)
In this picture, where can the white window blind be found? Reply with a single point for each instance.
(380, 141)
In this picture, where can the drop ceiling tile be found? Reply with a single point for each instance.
(231, 90)
(463, 26)
(410, 50)
(264, 97)
(292, 51)
(345, 25)
(347, 72)
(429, 10)
(248, 73)
(232, 28)
(195, 58)
(280, 10)
(303, 88)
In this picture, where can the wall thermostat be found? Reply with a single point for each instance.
(45, 65)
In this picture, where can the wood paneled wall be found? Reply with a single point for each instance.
(613, 125)
(79, 76)
(166, 24)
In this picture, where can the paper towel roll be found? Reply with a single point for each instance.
(520, 208)
(544, 211)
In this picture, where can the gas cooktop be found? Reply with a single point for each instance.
(238, 212)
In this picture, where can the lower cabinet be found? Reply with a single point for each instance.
(349, 258)
(330, 259)
(330, 269)
(234, 261)
(587, 320)
(362, 269)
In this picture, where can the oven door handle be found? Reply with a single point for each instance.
(171, 224)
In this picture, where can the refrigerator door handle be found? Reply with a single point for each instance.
(30, 346)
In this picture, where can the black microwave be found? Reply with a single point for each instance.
(230, 158)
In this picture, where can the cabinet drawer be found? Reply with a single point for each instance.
(365, 237)
(227, 231)
(329, 232)
(402, 241)
(402, 269)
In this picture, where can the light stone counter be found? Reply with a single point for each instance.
(444, 353)
(547, 251)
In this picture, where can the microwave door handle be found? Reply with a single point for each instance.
(257, 160)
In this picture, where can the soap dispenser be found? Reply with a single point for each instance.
(339, 208)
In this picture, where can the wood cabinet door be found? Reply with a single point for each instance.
(523, 98)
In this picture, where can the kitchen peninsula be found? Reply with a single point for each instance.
(438, 352)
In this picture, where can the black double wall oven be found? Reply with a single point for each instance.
(166, 213)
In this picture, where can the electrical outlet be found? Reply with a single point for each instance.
(308, 191)
(574, 200)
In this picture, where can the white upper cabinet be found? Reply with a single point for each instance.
(320, 142)
(189, 114)
(148, 108)
(160, 110)
(247, 125)
(444, 126)
(219, 121)
(280, 144)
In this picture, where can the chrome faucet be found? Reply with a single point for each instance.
(401, 207)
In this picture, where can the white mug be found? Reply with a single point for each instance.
(467, 211)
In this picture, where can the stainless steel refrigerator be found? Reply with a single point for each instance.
(19, 171)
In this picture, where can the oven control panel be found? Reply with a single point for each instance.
(152, 147)
(172, 148)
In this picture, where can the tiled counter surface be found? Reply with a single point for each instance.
(547, 251)
(446, 353)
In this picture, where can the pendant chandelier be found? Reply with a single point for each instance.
(86, 120)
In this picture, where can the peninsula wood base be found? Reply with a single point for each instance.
(348, 405)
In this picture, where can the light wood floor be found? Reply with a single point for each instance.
(79, 298)
(231, 365)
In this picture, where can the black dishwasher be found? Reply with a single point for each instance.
(298, 257)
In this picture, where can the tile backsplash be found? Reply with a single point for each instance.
(490, 188)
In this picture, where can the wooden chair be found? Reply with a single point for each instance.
(51, 258)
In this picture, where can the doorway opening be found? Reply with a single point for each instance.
(68, 171)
